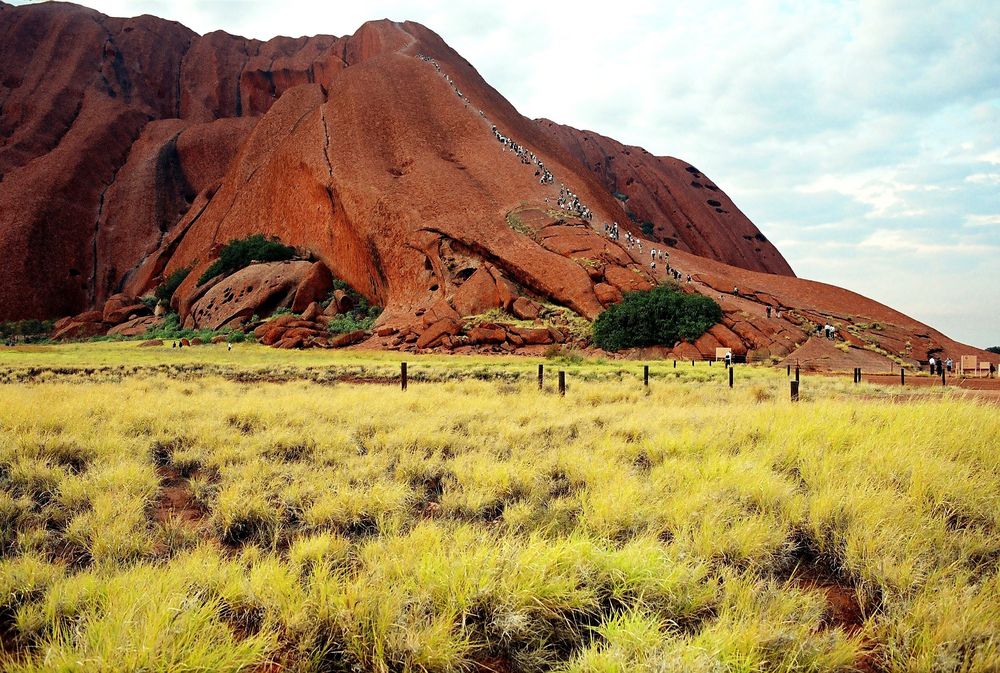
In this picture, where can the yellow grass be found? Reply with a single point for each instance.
(474, 522)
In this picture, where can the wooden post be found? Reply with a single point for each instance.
(692, 363)
(675, 363)
(796, 374)
(402, 376)
(795, 391)
(645, 375)
(902, 376)
(943, 382)
(562, 382)
(788, 370)
(730, 377)
(541, 375)
(710, 362)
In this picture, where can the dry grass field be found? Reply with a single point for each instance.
(260, 510)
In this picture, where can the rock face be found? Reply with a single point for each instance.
(684, 208)
(258, 289)
(131, 148)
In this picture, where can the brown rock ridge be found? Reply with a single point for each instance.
(686, 208)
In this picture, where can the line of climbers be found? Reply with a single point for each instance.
(567, 200)
(527, 157)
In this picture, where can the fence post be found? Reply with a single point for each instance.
(731, 377)
(562, 382)
(796, 374)
(902, 376)
(541, 375)
(788, 370)
(645, 375)
(402, 376)
(943, 382)
(692, 363)
(795, 391)
(675, 363)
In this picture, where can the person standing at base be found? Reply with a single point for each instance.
(729, 360)
(932, 363)
(768, 310)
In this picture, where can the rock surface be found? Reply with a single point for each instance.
(131, 148)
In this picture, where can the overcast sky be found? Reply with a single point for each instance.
(863, 138)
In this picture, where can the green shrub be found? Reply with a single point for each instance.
(165, 290)
(240, 253)
(647, 228)
(993, 349)
(25, 328)
(661, 316)
(361, 317)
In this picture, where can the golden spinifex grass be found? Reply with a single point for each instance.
(164, 523)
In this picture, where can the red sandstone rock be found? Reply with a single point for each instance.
(314, 287)
(151, 343)
(385, 331)
(625, 279)
(348, 338)
(531, 336)
(258, 289)
(476, 295)
(312, 312)
(136, 326)
(607, 294)
(436, 331)
(525, 309)
(486, 335)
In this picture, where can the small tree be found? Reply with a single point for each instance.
(165, 290)
(240, 253)
(658, 317)
(994, 349)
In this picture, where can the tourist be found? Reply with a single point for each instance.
(948, 364)
(729, 359)
(768, 310)
(932, 363)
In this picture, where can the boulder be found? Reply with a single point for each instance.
(136, 326)
(437, 331)
(343, 301)
(348, 338)
(218, 339)
(314, 287)
(626, 279)
(531, 336)
(486, 335)
(151, 343)
(476, 295)
(185, 342)
(311, 312)
(439, 311)
(258, 289)
(525, 309)
(385, 331)
(119, 307)
(197, 341)
(607, 294)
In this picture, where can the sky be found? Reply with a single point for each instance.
(863, 138)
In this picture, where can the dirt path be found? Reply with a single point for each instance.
(176, 500)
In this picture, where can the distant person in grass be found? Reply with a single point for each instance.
(933, 363)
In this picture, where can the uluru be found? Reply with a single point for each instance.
(133, 148)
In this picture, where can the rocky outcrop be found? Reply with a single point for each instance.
(132, 148)
(259, 289)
